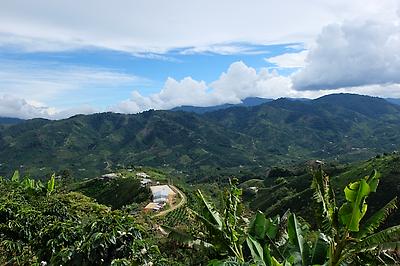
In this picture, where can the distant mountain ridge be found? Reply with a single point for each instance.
(393, 100)
(10, 121)
(344, 127)
(247, 102)
(250, 102)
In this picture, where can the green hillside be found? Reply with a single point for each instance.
(292, 191)
(52, 222)
(340, 127)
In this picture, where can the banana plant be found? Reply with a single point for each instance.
(348, 236)
(15, 176)
(51, 184)
(285, 241)
(224, 229)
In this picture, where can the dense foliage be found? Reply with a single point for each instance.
(279, 192)
(341, 239)
(40, 225)
(116, 192)
(343, 127)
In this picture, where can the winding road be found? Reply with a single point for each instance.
(176, 206)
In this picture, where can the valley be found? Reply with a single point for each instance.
(236, 168)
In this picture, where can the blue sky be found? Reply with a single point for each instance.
(151, 69)
(61, 58)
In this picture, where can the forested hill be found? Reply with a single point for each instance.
(10, 121)
(341, 126)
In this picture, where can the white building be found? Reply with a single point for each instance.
(145, 181)
(142, 174)
(109, 176)
(162, 193)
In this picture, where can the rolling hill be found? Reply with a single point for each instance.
(292, 191)
(341, 127)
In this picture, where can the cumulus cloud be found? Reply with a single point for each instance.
(174, 93)
(289, 60)
(11, 106)
(354, 53)
(241, 81)
(238, 82)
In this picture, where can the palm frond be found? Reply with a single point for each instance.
(377, 219)
(390, 245)
(209, 212)
(206, 222)
(324, 194)
(389, 235)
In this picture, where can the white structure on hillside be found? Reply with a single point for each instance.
(152, 206)
(109, 176)
(162, 193)
(145, 181)
(142, 174)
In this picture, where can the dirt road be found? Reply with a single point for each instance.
(176, 206)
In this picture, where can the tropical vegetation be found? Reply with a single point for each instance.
(283, 132)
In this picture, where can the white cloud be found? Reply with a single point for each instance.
(225, 49)
(174, 93)
(354, 53)
(241, 81)
(158, 26)
(11, 106)
(237, 83)
(289, 60)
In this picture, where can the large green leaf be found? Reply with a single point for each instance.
(256, 250)
(261, 227)
(258, 226)
(373, 180)
(319, 250)
(209, 212)
(272, 227)
(377, 219)
(51, 184)
(295, 236)
(15, 177)
(354, 210)
(269, 259)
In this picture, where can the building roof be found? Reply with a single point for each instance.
(142, 174)
(145, 181)
(161, 191)
(153, 206)
(110, 175)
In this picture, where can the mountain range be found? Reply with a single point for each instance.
(247, 102)
(342, 127)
